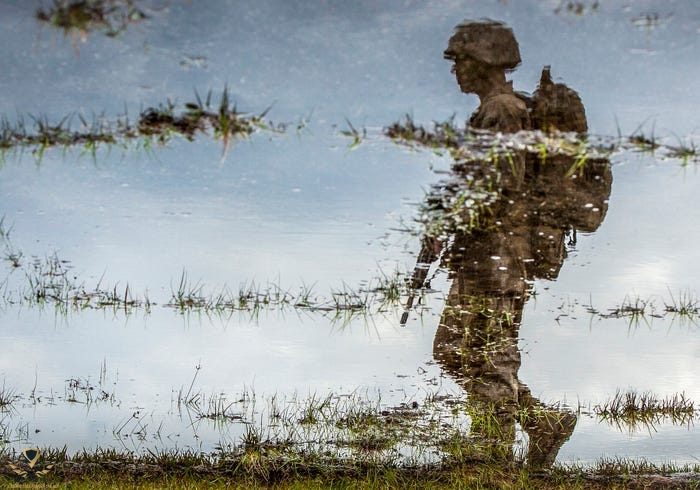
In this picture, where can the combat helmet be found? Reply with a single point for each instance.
(488, 41)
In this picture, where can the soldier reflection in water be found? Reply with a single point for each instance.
(519, 238)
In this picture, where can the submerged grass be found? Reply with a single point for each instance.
(157, 124)
(83, 391)
(462, 142)
(345, 427)
(357, 136)
(376, 296)
(682, 306)
(634, 309)
(465, 143)
(77, 390)
(8, 396)
(643, 142)
(434, 441)
(5, 230)
(51, 280)
(634, 411)
(442, 136)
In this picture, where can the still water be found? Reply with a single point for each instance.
(302, 211)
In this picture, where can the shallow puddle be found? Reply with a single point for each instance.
(173, 297)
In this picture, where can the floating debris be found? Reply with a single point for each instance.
(577, 7)
(79, 18)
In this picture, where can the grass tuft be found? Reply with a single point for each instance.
(8, 396)
(357, 136)
(635, 309)
(157, 124)
(684, 305)
(445, 135)
(635, 410)
(645, 143)
(685, 151)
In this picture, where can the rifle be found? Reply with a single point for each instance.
(419, 277)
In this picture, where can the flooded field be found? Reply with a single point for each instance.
(210, 237)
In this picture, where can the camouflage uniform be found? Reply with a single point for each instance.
(504, 112)
(522, 238)
(492, 269)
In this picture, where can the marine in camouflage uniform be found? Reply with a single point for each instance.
(521, 237)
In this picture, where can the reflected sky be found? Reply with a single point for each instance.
(340, 60)
(304, 209)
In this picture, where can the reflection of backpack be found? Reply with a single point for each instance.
(557, 107)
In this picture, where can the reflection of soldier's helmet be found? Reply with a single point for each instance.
(487, 41)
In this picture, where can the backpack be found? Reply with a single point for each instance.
(554, 106)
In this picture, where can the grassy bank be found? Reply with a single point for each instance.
(348, 443)
(252, 469)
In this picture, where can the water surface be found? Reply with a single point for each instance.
(303, 210)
